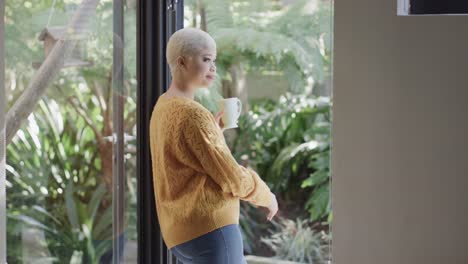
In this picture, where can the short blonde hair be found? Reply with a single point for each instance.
(189, 42)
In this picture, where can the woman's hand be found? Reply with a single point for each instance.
(272, 208)
(219, 120)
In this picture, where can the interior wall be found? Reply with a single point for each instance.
(400, 136)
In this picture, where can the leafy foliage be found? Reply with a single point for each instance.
(296, 241)
(265, 35)
(288, 142)
(53, 185)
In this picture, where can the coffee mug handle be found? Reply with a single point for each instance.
(239, 103)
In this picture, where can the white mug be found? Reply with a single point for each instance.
(232, 109)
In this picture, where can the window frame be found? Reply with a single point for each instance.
(156, 22)
(3, 224)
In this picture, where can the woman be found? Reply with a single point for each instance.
(197, 182)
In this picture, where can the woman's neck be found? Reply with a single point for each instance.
(178, 89)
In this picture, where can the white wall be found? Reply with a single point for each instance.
(400, 136)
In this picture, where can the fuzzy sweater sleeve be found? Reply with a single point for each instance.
(206, 141)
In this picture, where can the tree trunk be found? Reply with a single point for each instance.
(202, 12)
(238, 85)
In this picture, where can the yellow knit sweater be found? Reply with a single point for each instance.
(197, 181)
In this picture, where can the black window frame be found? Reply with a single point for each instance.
(157, 20)
(433, 7)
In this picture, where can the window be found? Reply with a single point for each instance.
(68, 157)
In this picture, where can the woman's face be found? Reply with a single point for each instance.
(201, 68)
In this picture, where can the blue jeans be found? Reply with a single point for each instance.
(220, 246)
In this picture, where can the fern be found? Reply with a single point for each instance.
(296, 241)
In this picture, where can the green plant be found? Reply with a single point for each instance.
(296, 241)
(53, 185)
(71, 229)
(288, 142)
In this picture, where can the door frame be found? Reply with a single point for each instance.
(157, 20)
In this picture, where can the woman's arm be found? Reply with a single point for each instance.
(206, 141)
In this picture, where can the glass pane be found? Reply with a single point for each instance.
(275, 56)
(70, 83)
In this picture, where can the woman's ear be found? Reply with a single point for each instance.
(181, 63)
